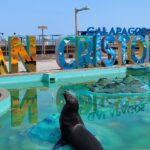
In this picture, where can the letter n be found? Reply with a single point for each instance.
(17, 50)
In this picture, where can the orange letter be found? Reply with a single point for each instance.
(28, 57)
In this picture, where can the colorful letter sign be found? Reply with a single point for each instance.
(141, 43)
(28, 57)
(84, 51)
(109, 51)
(60, 53)
(93, 50)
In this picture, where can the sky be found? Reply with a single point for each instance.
(24, 16)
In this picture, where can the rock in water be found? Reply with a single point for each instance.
(103, 81)
(129, 84)
(128, 79)
(46, 130)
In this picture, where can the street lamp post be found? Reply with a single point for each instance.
(76, 32)
(42, 28)
(76, 18)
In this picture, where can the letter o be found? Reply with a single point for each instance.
(142, 50)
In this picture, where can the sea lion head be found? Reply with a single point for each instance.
(71, 100)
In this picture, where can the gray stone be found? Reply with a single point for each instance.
(104, 81)
(128, 84)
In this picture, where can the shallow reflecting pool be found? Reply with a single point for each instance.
(119, 121)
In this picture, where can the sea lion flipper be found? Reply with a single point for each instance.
(61, 142)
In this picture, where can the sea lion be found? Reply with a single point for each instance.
(73, 130)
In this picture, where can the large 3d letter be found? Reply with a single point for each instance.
(84, 51)
(109, 51)
(28, 57)
(97, 50)
(60, 53)
(141, 43)
(3, 68)
(124, 40)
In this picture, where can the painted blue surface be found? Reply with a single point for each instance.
(61, 75)
(82, 74)
(69, 75)
(20, 79)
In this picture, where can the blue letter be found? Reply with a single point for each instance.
(60, 53)
(131, 31)
(109, 51)
(118, 31)
(91, 31)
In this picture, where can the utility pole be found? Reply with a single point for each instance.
(42, 28)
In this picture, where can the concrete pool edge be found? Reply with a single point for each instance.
(83, 74)
(63, 74)
(21, 78)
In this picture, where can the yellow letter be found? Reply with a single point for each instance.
(28, 57)
(3, 68)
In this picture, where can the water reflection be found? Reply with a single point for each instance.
(105, 110)
(25, 103)
(103, 106)
(20, 107)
